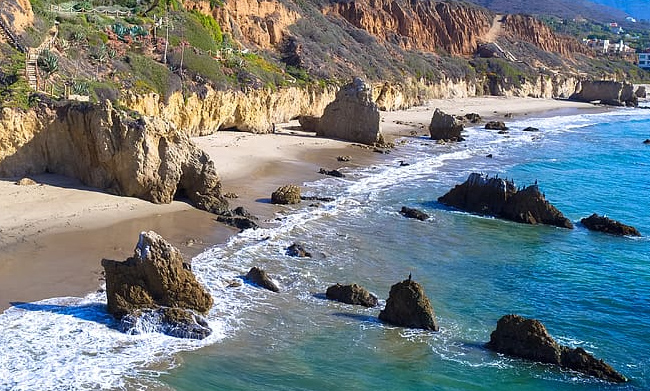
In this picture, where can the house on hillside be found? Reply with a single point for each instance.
(644, 61)
(598, 45)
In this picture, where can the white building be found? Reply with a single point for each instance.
(644, 60)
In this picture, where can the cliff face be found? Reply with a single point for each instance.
(146, 158)
(422, 25)
(255, 111)
(17, 14)
(528, 29)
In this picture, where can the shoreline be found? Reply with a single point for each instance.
(56, 232)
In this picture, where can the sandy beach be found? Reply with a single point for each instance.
(54, 234)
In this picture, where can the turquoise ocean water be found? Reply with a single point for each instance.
(589, 289)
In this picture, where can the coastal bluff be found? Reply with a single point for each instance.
(142, 157)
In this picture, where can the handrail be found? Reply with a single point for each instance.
(71, 10)
(14, 40)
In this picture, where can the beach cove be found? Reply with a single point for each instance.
(245, 172)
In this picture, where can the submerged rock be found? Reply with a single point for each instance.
(445, 127)
(155, 277)
(260, 278)
(500, 198)
(646, 141)
(409, 306)
(607, 225)
(528, 338)
(351, 294)
(287, 194)
(413, 213)
(334, 173)
(530, 129)
(352, 116)
(298, 250)
(496, 125)
(239, 218)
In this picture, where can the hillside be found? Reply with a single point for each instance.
(636, 8)
(605, 11)
(116, 49)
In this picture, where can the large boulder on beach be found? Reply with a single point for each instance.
(607, 92)
(155, 277)
(287, 194)
(496, 125)
(352, 116)
(409, 306)
(528, 338)
(445, 127)
(351, 294)
(261, 278)
(500, 198)
(607, 225)
(641, 92)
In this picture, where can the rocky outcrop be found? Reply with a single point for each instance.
(529, 339)
(529, 29)
(351, 294)
(425, 25)
(103, 148)
(17, 14)
(156, 281)
(409, 306)
(530, 129)
(500, 198)
(496, 125)
(641, 92)
(445, 126)
(606, 92)
(309, 123)
(334, 173)
(413, 213)
(260, 278)
(239, 218)
(298, 250)
(353, 116)
(607, 225)
(287, 194)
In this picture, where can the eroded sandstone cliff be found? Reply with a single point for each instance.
(147, 157)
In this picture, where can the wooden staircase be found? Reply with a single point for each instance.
(31, 72)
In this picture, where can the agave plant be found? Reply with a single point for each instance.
(80, 87)
(48, 62)
(99, 53)
(62, 44)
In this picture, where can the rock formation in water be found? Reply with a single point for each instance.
(409, 306)
(239, 218)
(157, 282)
(298, 250)
(353, 116)
(413, 213)
(445, 127)
(351, 294)
(529, 339)
(260, 278)
(607, 225)
(606, 92)
(500, 198)
(287, 194)
(103, 148)
(496, 125)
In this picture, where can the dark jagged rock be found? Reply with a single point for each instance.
(641, 92)
(352, 116)
(608, 92)
(156, 279)
(473, 118)
(260, 278)
(607, 225)
(489, 155)
(646, 141)
(238, 218)
(298, 250)
(500, 198)
(496, 125)
(445, 127)
(413, 213)
(530, 129)
(334, 173)
(287, 194)
(528, 338)
(351, 294)
(408, 306)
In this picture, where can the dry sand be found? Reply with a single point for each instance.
(54, 234)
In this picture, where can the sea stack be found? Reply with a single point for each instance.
(528, 338)
(500, 198)
(409, 306)
(157, 284)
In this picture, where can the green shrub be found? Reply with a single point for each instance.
(153, 75)
(48, 62)
(210, 24)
